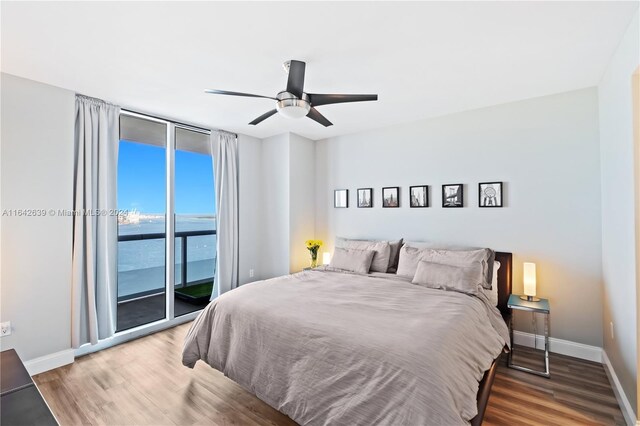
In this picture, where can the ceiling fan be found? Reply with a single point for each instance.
(294, 102)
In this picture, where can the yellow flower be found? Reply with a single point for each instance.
(313, 243)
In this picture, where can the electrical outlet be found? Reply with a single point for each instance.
(5, 328)
(251, 273)
(611, 329)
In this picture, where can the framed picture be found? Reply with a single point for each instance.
(365, 197)
(391, 196)
(490, 194)
(341, 198)
(419, 196)
(452, 195)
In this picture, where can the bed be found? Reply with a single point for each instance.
(327, 347)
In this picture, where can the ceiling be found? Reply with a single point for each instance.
(423, 59)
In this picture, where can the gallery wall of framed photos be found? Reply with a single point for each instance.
(452, 196)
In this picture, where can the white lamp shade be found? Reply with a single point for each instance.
(293, 111)
(529, 279)
(326, 258)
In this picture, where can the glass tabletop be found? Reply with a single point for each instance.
(540, 306)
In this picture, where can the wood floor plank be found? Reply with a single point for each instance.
(143, 382)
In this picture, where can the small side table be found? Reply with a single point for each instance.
(539, 307)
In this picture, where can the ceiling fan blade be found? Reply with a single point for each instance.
(225, 92)
(263, 117)
(317, 99)
(315, 115)
(295, 83)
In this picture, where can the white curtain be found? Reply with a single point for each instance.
(95, 226)
(224, 147)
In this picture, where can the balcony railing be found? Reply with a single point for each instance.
(183, 236)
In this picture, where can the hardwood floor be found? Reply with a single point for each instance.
(143, 382)
(578, 393)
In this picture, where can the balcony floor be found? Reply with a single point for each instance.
(137, 312)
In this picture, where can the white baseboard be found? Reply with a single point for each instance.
(49, 362)
(559, 346)
(623, 401)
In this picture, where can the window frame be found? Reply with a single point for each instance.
(170, 320)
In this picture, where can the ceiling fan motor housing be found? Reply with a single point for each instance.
(291, 106)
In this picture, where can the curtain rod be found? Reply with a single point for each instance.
(95, 100)
(158, 117)
(178, 122)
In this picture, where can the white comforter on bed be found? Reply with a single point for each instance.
(343, 349)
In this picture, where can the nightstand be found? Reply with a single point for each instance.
(539, 307)
(22, 403)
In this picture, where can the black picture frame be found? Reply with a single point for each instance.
(420, 200)
(393, 192)
(453, 195)
(490, 195)
(339, 201)
(364, 198)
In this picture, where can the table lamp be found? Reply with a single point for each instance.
(529, 280)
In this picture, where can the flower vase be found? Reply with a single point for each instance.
(314, 260)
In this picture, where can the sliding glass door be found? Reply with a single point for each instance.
(195, 222)
(165, 266)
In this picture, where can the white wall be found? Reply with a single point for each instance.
(618, 214)
(288, 210)
(37, 173)
(302, 200)
(251, 202)
(275, 206)
(544, 149)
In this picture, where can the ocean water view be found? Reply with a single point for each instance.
(141, 263)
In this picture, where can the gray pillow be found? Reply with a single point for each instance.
(465, 279)
(353, 260)
(382, 251)
(488, 256)
(394, 255)
(410, 256)
(408, 261)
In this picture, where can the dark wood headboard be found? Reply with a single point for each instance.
(504, 281)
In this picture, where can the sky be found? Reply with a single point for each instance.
(142, 179)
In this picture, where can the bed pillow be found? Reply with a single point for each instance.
(410, 256)
(352, 260)
(464, 279)
(382, 251)
(394, 255)
(408, 261)
(484, 254)
(492, 294)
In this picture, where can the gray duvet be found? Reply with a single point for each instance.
(343, 349)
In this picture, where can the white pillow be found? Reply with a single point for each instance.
(352, 260)
(492, 294)
(382, 251)
(464, 279)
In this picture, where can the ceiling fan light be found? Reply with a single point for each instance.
(293, 108)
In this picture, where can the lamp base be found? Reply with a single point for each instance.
(530, 298)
